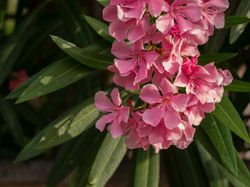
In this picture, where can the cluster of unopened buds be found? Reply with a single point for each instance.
(156, 61)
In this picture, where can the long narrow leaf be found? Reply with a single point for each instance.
(215, 57)
(222, 141)
(147, 169)
(66, 127)
(107, 160)
(238, 86)
(61, 74)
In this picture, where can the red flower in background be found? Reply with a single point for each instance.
(17, 78)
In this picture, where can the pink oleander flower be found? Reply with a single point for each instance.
(206, 83)
(127, 21)
(133, 61)
(183, 12)
(117, 113)
(141, 135)
(165, 104)
(213, 13)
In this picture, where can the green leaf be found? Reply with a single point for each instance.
(238, 86)
(242, 10)
(222, 141)
(215, 57)
(103, 2)
(89, 57)
(231, 21)
(147, 171)
(107, 160)
(61, 74)
(65, 128)
(100, 27)
(228, 115)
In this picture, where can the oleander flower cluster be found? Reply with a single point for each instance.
(156, 61)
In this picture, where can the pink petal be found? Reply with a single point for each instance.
(121, 50)
(150, 94)
(164, 23)
(180, 102)
(125, 66)
(103, 121)
(124, 113)
(152, 116)
(115, 129)
(115, 95)
(172, 119)
(155, 7)
(167, 87)
(102, 102)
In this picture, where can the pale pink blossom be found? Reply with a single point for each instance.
(116, 112)
(166, 104)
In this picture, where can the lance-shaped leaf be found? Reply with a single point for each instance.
(107, 160)
(222, 141)
(61, 74)
(238, 86)
(228, 115)
(100, 27)
(91, 57)
(215, 57)
(65, 128)
(147, 169)
(242, 10)
(231, 21)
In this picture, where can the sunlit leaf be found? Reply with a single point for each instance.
(61, 74)
(147, 169)
(66, 127)
(107, 160)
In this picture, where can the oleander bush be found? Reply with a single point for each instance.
(175, 88)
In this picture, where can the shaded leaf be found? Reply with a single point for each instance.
(228, 115)
(100, 27)
(238, 86)
(215, 57)
(107, 160)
